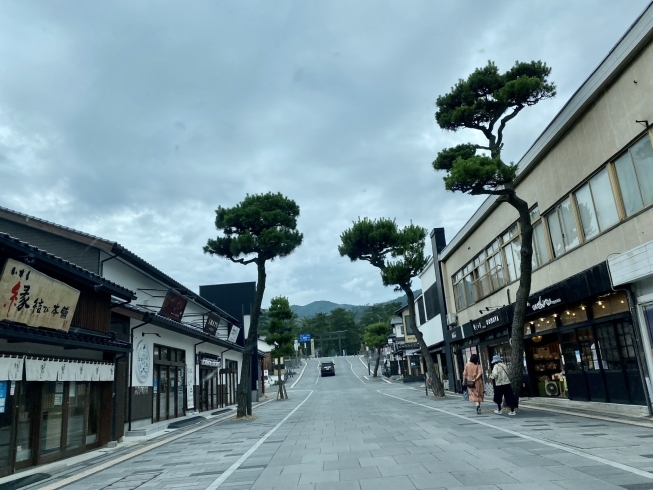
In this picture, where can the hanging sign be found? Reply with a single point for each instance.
(32, 298)
(233, 335)
(173, 306)
(212, 324)
(190, 393)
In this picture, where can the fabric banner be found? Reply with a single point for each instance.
(84, 371)
(11, 368)
(41, 370)
(66, 371)
(106, 372)
(95, 372)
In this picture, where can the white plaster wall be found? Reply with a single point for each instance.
(427, 276)
(432, 330)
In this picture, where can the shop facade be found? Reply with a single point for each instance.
(57, 358)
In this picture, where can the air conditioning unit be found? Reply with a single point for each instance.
(452, 319)
(552, 388)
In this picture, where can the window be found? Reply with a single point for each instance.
(562, 227)
(596, 205)
(635, 175)
(540, 248)
(512, 252)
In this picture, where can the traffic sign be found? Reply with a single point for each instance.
(304, 337)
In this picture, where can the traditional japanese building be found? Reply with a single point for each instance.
(59, 357)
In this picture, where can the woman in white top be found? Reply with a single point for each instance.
(502, 388)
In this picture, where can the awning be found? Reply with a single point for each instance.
(73, 338)
(413, 352)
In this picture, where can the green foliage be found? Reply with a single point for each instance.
(280, 328)
(262, 224)
(487, 94)
(476, 174)
(398, 253)
(379, 312)
(376, 335)
(486, 101)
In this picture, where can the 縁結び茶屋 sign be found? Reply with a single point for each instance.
(30, 297)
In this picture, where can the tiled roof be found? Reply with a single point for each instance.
(109, 286)
(73, 338)
(117, 249)
(183, 328)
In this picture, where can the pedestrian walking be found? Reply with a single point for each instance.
(472, 376)
(502, 387)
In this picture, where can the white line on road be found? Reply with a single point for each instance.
(300, 375)
(382, 378)
(560, 447)
(352, 370)
(223, 477)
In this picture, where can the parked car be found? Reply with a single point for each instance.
(327, 368)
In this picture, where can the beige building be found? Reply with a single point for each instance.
(588, 179)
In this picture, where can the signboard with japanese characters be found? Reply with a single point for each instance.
(173, 306)
(30, 297)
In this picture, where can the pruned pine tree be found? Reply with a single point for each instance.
(280, 334)
(376, 337)
(486, 101)
(263, 227)
(399, 255)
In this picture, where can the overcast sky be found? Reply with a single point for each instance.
(133, 121)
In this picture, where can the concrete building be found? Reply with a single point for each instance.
(588, 179)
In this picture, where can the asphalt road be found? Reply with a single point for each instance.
(350, 432)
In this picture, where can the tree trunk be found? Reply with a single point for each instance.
(280, 394)
(436, 383)
(378, 358)
(251, 343)
(516, 367)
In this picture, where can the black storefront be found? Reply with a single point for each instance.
(580, 342)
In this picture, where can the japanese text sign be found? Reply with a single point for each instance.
(173, 306)
(30, 297)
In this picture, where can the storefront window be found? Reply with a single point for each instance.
(51, 416)
(610, 305)
(573, 315)
(25, 423)
(542, 324)
(93, 414)
(76, 407)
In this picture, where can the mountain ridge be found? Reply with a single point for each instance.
(325, 306)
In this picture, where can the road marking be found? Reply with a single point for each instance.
(223, 477)
(361, 360)
(560, 447)
(366, 377)
(352, 370)
(300, 375)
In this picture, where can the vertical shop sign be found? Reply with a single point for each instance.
(233, 335)
(30, 297)
(190, 380)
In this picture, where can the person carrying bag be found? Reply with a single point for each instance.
(502, 387)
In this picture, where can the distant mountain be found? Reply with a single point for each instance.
(323, 306)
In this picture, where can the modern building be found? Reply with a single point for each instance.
(58, 358)
(177, 336)
(588, 179)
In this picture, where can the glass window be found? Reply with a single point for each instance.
(569, 231)
(540, 250)
(164, 353)
(606, 209)
(573, 315)
(628, 184)
(93, 414)
(77, 395)
(556, 234)
(586, 211)
(642, 154)
(51, 416)
(535, 214)
(610, 305)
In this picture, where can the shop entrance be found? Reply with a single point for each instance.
(601, 365)
(53, 420)
(169, 383)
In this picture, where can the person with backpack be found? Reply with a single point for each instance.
(502, 387)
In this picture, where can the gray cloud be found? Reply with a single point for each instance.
(135, 120)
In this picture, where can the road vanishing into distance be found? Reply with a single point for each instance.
(351, 432)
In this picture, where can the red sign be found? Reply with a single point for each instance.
(173, 306)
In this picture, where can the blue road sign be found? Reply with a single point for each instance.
(304, 337)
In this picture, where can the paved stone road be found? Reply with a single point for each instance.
(347, 432)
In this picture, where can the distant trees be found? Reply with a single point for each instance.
(399, 255)
(486, 101)
(280, 334)
(261, 228)
(375, 337)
